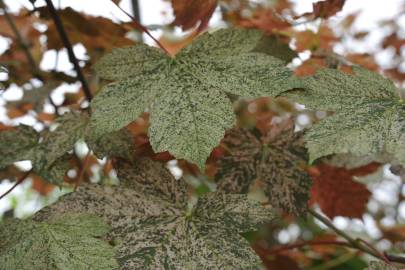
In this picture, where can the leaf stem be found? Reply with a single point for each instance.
(19, 181)
(68, 45)
(141, 28)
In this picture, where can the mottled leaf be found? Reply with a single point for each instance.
(154, 228)
(369, 118)
(16, 144)
(274, 162)
(63, 242)
(379, 265)
(186, 95)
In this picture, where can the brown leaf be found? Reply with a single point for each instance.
(189, 13)
(325, 9)
(335, 191)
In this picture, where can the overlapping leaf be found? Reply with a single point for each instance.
(154, 230)
(378, 265)
(48, 156)
(68, 242)
(186, 95)
(274, 162)
(369, 118)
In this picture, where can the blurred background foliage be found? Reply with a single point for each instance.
(39, 83)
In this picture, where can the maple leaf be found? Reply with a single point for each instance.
(47, 152)
(369, 115)
(190, 12)
(68, 242)
(336, 193)
(275, 162)
(155, 230)
(325, 9)
(186, 95)
(379, 265)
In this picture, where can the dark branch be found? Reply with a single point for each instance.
(19, 181)
(65, 39)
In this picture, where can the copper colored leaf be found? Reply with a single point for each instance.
(273, 162)
(336, 193)
(189, 13)
(325, 9)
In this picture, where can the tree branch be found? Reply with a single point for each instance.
(141, 28)
(358, 243)
(19, 181)
(65, 39)
(20, 40)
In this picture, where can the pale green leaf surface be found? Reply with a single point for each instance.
(66, 242)
(149, 221)
(379, 265)
(275, 164)
(369, 117)
(186, 95)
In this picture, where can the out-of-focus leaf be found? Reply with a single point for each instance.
(274, 162)
(189, 13)
(68, 242)
(336, 193)
(325, 9)
(379, 265)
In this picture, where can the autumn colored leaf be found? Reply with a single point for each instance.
(189, 13)
(325, 9)
(335, 191)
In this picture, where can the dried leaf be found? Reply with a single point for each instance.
(189, 13)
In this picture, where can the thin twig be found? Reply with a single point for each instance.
(309, 243)
(141, 27)
(20, 40)
(357, 243)
(19, 181)
(68, 45)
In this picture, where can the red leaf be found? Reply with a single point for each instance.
(325, 9)
(335, 191)
(189, 12)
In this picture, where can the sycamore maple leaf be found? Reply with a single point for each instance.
(335, 191)
(186, 95)
(47, 151)
(155, 229)
(275, 162)
(369, 115)
(65, 242)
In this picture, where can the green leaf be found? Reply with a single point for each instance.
(273, 45)
(186, 95)
(63, 242)
(378, 265)
(48, 156)
(274, 162)
(16, 144)
(154, 227)
(369, 116)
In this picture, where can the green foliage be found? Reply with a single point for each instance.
(369, 116)
(275, 162)
(155, 229)
(186, 95)
(67, 242)
(47, 152)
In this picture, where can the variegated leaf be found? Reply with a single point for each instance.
(369, 118)
(378, 265)
(67, 242)
(186, 95)
(274, 162)
(154, 229)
